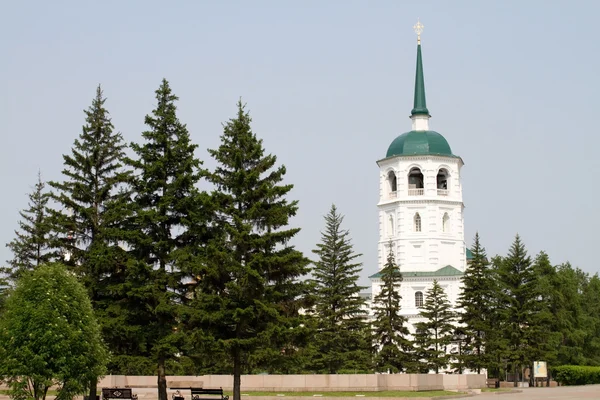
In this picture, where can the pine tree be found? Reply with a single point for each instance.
(496, 346)
(519, 291)
(89, 225)
(248, 295)
(545, 336)
(166, 172)
(393, 348)
(474, 301)
(32, 245)
(339, 310)
(434, 335)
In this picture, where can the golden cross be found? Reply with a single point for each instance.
(418, 29)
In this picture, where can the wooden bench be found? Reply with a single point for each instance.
(198, 392)
(493, 383)
(118, 393)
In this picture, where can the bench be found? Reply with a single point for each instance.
(118, 393)
(493, 383)
(198, 392)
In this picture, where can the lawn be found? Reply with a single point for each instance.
(390, 393)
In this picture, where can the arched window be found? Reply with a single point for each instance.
(392, 182)
(417, 222)
(391, 225)
(446, 223)
(415, 182)
(418, 299)
(442, 182)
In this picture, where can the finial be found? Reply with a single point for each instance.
(418, 29)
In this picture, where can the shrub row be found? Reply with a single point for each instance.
(576, 375)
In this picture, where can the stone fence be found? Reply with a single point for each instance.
(309, 383)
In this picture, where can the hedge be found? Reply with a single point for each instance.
(576, 375)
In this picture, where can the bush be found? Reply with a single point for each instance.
(49, 336)
(576, 375)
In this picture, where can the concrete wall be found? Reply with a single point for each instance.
(310, 383)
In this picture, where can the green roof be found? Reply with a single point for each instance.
(469, 254)
(419, 143)
(448, 270)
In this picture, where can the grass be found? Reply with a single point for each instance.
(389, 393)
(496, 389)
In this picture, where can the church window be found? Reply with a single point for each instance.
(442, 182)
(417, 222)
(393, 183)
(446, 223)
(391, 225)
(415, 182)
(418, 299)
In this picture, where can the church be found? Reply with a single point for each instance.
(421, 209)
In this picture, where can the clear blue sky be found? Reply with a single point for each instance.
(513, 86)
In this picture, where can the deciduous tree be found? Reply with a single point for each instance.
(49, 336)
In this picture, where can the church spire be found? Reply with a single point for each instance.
(420, 105)
(420, 113)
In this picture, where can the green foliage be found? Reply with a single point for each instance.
(32, 245)
(434, 334)
(390, 333)
(49, 336)
(166, 172)
(248, 293)
(88, 227)
(523, 314)
(475, 302)
(576, 375)
(340, 341)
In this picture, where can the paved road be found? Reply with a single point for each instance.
(556, 393)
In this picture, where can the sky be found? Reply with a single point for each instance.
(512, 85)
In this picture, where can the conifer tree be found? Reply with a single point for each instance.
(88, 226)
(393, 348)
(519, 291)
(496, 346)
(435, 333)
(339, 343)
(248, 295)
(166, 172)
(32, 245)
(474, 301)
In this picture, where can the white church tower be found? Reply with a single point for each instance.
(421, 209)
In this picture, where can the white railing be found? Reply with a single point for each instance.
(393, 195)
(442, 192)
(416, 192)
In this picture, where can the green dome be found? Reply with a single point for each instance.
(419, 143)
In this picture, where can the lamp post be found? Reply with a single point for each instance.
(459, 337)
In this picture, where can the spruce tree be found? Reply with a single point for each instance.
(88, 225)
(248, 292)
(32, 245)
(393, 348)
(519, 291)
(339, 343)
(474, 301)
(166, 173)
(434, 335)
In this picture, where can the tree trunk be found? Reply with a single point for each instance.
(162, 380)
(515, 378)
(237, 374)
(93, 389)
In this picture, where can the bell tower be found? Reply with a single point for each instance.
(420, 195)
